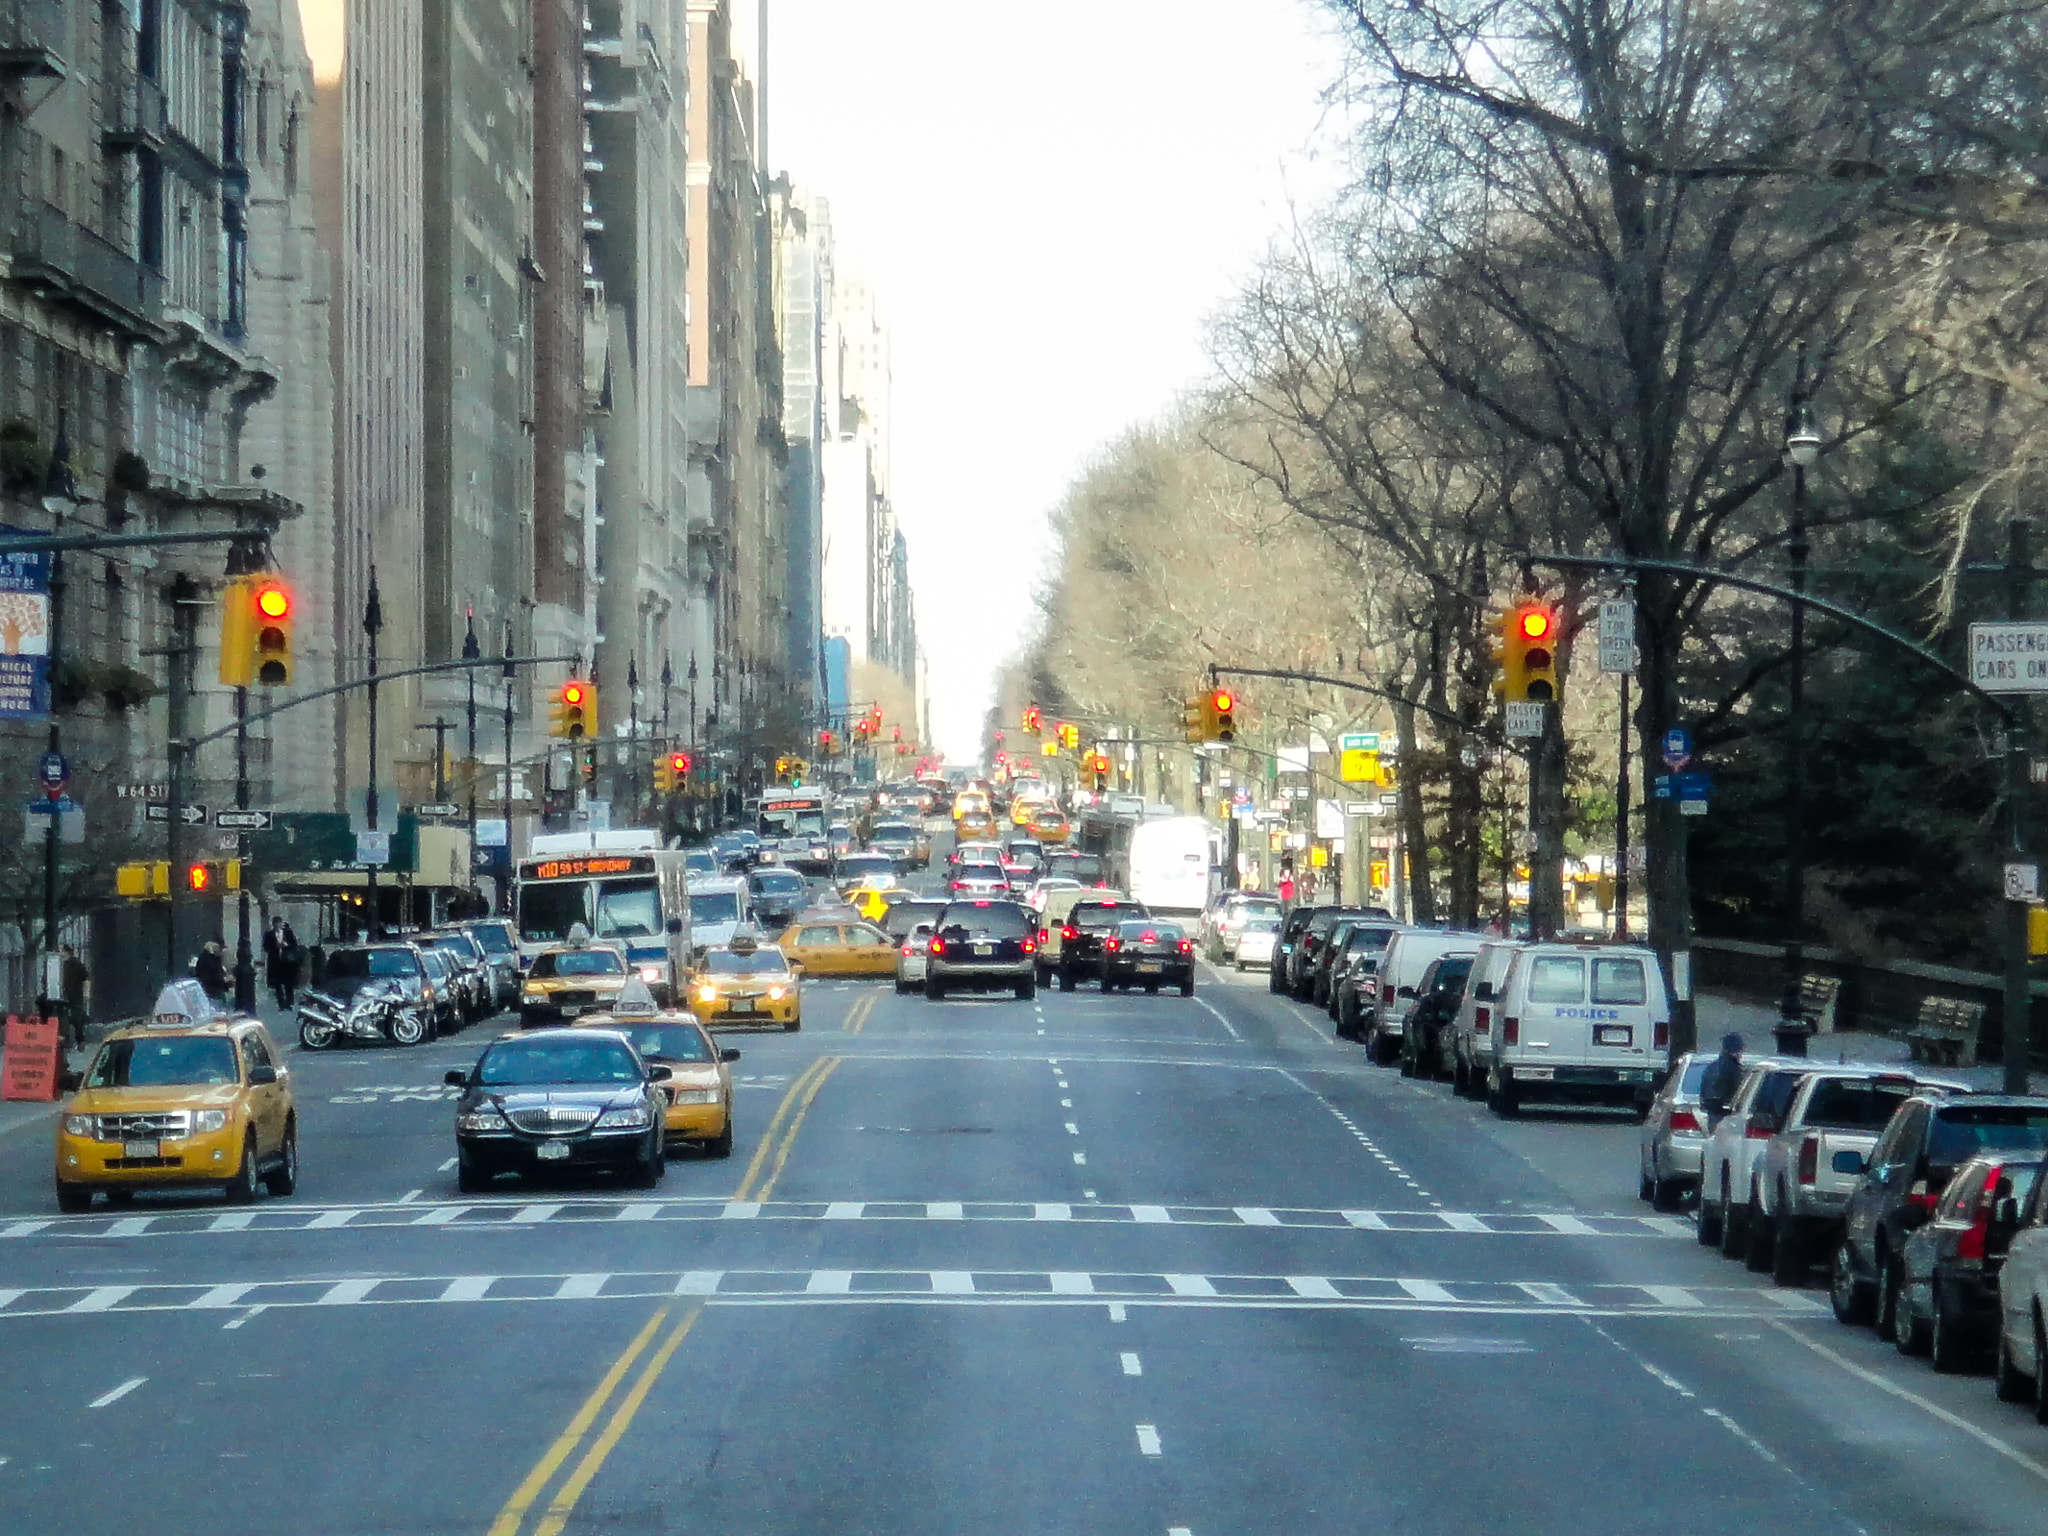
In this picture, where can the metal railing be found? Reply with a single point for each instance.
(51, 251)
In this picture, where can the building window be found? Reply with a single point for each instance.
(149, 212)
(149, 24)
(237, 255)
(231, 108)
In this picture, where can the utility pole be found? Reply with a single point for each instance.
(2018, 1047)
(178, 659)
(472, 651)
(57, 489)
(1802, 447)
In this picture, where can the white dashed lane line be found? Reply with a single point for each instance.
(1148, 1440)
(106, 1399)
(1130, 1363)
(1365, 1141)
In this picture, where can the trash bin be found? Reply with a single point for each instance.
(1791, 1036)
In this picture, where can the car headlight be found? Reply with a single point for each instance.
(209, 1120)
(696, 1096)
(482, 1120)
(528, 995)
(650, 973)
(81, 1125)
(629, 1118)
(775, 994)
(707, 993)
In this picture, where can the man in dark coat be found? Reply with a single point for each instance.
(1723, 1077)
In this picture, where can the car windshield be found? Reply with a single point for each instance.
(778, 882)
(666, 1042)
(1087, 915)
(1261, 925)
(866, 864)
(549, 909)
(494, 939)
(450, 944)
(577, 962)
(895, 832)
(759, 962)
(1848, 1104)
(164, 1061)
(1961, 1131)
(981, 872)
(525, 1063)
(1145, 931)
(627, 909)
(903, 916)
(358, 964)
(708, 907)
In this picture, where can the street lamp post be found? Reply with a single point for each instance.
(472, 651)
(511, 673)
(633, 741)
(58, 490)
(1802, 447)
(373, 625)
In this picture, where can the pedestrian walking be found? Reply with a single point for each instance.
(283, 961)
(211, 971)
(1723, 1076)
(74, 980)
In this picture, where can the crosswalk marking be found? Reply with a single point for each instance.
(951, 1286)
(285, 1217)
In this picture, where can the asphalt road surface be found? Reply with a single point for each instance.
(1091, 1264)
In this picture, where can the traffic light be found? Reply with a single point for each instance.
(271, 600)
(211, 877)
(1097, 766)
(825, 743)
(670, 771)
(1219, 715)
(1498, 649)
(237, 633)
(573, 711)
(1033, 720)
(1532, 652)
(1070, 735)
(1194, 720)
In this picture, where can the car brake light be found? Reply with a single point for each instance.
(1510, 1031)
(1030, 948)
(906, 949)
(1660, 1034)
(1684, 1120)
(1921, 1198)
(1975, 1243)
(1187, 946)
(1112, 945)
(1482, 1021)
(1043, 935)
(1387, 993)
(1758, 1132)
(1809, 1160)
(938, 946)
(1067, 932)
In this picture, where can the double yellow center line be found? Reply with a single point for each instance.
(566, 1495)
(858, 1015)
(756, 1184)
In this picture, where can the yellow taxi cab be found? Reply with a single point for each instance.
(1049, 824)
(747, 982)
(828, 946)
(699, 1088)
(970, 802)
(873, 901)
(566, 980)
(975, 826)
(193, 1097)
(1021, 811)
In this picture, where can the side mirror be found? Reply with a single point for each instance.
(262, 1076)
(728, 1054)
(1849, 1162)
(659, 1074)
(455, 1078)
(797, 966)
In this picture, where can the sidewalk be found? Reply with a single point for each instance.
(1717, 1016)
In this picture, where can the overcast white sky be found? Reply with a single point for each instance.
(1051, 200)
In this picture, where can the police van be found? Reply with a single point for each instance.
(1577, 1024)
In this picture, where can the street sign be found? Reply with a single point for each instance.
(1525, 717)
(2022, 881)
(373, 847)
(242, 821)
(1360, 741)
(1388, 802)
(2009, 658)
(1692, 807)
(1677, 748)
(54, 773)
(188, 815)
(63, 805)
(156, 790)
(490, 832)
(1618, 635)
(228, 842)
(1361, 808)
(440, 808)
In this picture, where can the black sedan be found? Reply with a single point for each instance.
(1148, 954)
(1948, 1291)
(559, 1099)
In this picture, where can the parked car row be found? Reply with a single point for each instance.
(1921, 1200)
(409, 989)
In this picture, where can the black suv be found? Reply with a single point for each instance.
(1081, 936)
(1424, 1047)
(1280, 973)
(983, 945)
(1928, 1138)
(1303, 969)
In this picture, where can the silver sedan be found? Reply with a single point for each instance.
(1674, 1135)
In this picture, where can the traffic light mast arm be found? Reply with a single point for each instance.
(192, 742)
(2012, 711)
(1471, 727)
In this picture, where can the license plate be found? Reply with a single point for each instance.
(1536, 1074)
(141, 1149)
(1612, 1034)
(552, 1151)
(984, 949)
(1146, 967)
(740, 1005)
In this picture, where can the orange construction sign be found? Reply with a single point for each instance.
(30, 1059)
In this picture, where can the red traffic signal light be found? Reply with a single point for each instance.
(273, 601)
(1535, 623)
(679, 762)
(1222, 702)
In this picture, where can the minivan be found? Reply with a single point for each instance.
(1408, 954)
(1580, 1024)
(1472, 1031)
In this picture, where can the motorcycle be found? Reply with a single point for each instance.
(374, 1013)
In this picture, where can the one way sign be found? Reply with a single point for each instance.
(242, 821)
(188, 815)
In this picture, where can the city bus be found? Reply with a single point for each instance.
(621, 887)
(800, 821)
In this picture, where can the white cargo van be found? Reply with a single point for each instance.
(1407, 955)
(1578, 1023)
(1473, 1033)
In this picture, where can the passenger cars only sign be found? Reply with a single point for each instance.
(2009, 658)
